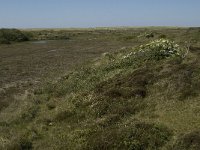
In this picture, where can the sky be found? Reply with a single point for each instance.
(98, 13)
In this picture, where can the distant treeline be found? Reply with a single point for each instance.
(12, 35)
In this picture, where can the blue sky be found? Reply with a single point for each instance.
(98, 13)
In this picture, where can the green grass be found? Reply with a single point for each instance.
(141, 102)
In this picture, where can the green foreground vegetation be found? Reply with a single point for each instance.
(142, 96)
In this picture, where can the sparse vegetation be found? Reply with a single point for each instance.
(142, 95)
(50, 35)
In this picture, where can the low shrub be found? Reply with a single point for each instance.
(189, 141)
(12, 35)
(138, 136)
(157, 49)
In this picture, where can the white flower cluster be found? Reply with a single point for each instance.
(162, 47)
(129, 55)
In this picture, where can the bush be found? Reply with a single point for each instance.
(157, 49)
(149, 35)
(12, 35)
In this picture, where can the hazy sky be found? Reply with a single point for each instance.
(97, 13)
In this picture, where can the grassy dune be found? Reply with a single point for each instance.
(133, 97)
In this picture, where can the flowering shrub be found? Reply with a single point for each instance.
(158, 49)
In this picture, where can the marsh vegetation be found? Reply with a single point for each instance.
(116, 88)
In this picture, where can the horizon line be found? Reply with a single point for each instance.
(97, 27)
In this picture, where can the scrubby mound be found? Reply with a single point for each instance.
(159, 49)
(12, 35)
(162, 47)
